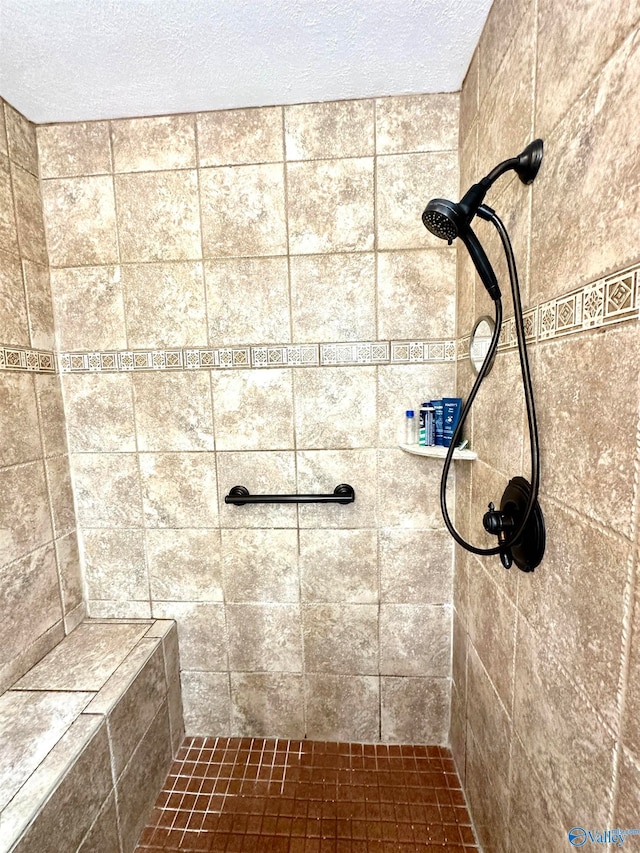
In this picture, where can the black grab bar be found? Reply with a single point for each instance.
(239, 496)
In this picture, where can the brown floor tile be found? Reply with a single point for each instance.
(277, 796)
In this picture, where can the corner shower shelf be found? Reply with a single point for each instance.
(436, 452)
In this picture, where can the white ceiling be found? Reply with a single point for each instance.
(73, 60)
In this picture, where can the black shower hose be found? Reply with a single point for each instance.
(491, 216)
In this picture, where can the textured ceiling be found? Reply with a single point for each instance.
(72, 60)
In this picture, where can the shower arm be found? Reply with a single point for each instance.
(494, 522)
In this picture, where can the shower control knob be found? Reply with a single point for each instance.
(492, 520)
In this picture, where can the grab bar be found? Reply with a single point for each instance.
(239, 496)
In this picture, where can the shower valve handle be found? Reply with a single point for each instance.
(499, 525)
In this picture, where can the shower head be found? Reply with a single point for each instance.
(448, 219)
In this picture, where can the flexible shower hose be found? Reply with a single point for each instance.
(491, 216)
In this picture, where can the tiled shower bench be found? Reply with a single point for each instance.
(87, 737)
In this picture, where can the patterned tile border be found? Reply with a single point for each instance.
(285, 355)
(605, 302)
(31, 360)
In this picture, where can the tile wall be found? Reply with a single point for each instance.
(545, 701)
(231, 242)
(40, 582)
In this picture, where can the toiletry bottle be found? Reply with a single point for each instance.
(429, 426)
(421, 427)
(410, 428)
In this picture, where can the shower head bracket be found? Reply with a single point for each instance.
(527, 552)
(529, 162)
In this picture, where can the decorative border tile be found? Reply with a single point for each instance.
(422, 352)
(607, 301)
(283, 355)
(23, 358)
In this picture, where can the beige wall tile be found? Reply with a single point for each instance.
(630, 734)
(173, 411)
(38, 291)
(143, 777)
(339, 566)
(21, 139)
(320, 471)
(248, 301)
(8, 228)
(158, 216)
(469, 101)
(405, 183)
(492, 626)
(565, 408)
(89, 308)
(144, 696)
(499, 31)
(253, 410)
(457, 734)
(330, 206)
(416, 566)
(582, 564)
(335, 407)
(487, 801)
(184, 565)
(417, 123)
(78, 148)
(459, 659)
(330, 129)
(243, 211)
(574, 30)
(179, 489)
(415, 639)
(81, 792)
(489, 720)
(231, 137)
(14, 328)
(103, 609)
(264, 637)
(262, 473)
(29, 216)
(400, 504)
(260, 565)
(151, 144)
(267, 705)
(207, 706)
(81, 221)
(560, 723)
(103, 835)
(31, 601)
(60, 494)
(628, 792)
(341, 638)
(333, 297)
(504, 124)
(99, 412)
(164, 305)
(114, 565)
(107, 489)
(3, 130)
(343, 708)
(416, 294)
(69, 572)
(201, 633)
(174, 693)
(531, 810)
(25, 521)
(599, 232)
(415, 710)
(18, 419)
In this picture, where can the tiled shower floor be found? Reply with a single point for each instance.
(280, 796)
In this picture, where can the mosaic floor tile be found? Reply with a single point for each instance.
(254, 794)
